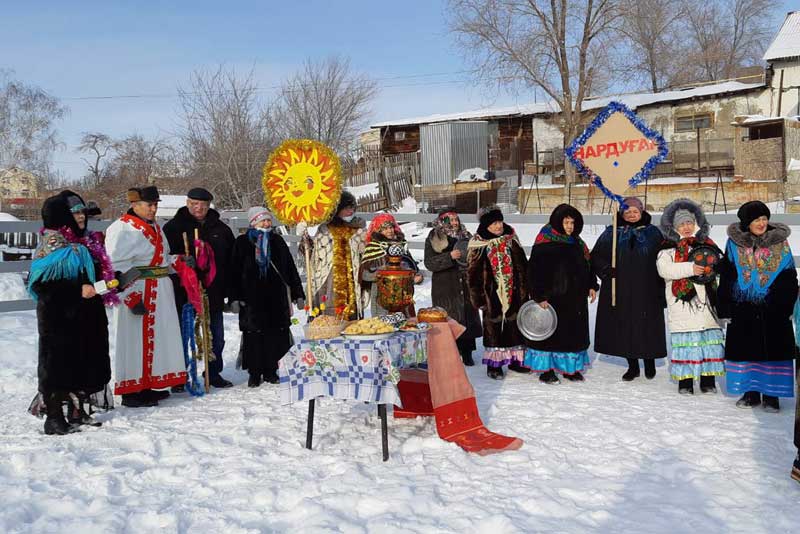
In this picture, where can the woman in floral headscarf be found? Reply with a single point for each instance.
(496, 266)
(382, 232)
(446, 258)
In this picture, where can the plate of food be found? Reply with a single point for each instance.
(415, 327)
(369, 330)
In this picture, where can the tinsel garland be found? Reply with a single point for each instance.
(95, 242)
(193, 384)
(344, 291)
(599, 120)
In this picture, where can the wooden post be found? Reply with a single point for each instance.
(613, 256)
(310, 425)
(384, 431)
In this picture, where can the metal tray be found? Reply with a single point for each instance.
(536, 323)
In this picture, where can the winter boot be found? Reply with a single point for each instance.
(178, 389)
(254, 381)
(796, 468)
(749, 400)
(154, 394)
(495, 373)
(466, 357)
(575, 377)
(686, 386)
(76, 414)
(771, 404)
(549, 377)
(518, 368)
(708, 384)
(55, 424)
(138, 400)
(650, 369)
(633, 370)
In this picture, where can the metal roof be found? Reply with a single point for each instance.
(787, 42)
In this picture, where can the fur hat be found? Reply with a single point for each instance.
(750, 211)
(144, 194)
(489, 215)
(347, 200)
(257, 214)
(57, 211)
(676, 212)
(563, 211)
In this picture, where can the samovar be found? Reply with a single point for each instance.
(395, 282)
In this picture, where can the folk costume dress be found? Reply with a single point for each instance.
(496, 274)
(560, 273)
(148, 347)
(698, 344)
(757, 291)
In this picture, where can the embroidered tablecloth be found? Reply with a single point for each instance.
(350, 369)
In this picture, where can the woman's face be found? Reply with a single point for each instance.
(263, 224)
(686, 229)
(80, 218)
(388, 232)
(454, 222)
(569, 225)
(759, 226)
(496, 228)
(632, 215)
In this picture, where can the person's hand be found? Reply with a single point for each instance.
(87, 291)
(698, 269)
(189, 260)
(544, 304)
(592, 295)
(418, 278)
(455, 254)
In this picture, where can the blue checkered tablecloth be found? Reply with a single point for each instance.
(350, 369)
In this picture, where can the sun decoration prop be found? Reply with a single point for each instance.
(302, 182)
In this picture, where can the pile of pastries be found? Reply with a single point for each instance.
(374, 325)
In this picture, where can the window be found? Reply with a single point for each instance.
(690, 123)
(399, 136)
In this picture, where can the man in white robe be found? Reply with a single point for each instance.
(149, 353)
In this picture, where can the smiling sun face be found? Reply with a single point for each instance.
(302, 182)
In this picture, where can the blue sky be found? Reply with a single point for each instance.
(81, 48)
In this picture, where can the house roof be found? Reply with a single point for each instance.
(787, 42)
(632, 100)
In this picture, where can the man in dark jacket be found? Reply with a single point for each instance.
(211, 230)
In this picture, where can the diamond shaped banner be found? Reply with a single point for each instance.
(617, 150)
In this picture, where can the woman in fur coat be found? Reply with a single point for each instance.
(264, 282)
(757, 291)
(496, 271)
(560, 275)
(447, 260)
(634, 328)
(73, 327)
(698, 351)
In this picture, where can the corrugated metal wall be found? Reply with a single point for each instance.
(448, 148)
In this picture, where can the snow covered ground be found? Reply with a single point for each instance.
(602, 456)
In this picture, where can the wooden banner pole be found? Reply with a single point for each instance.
(613, 255)
(307, 249)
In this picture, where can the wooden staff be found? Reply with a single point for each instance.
(613, 256)
(307, 250)
(185, 243)
(205, 325)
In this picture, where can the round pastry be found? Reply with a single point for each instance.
(432, 315)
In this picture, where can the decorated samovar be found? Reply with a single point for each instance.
(396, 283)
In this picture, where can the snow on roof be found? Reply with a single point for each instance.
(6, 217)
(632, 100)
(787, 41)
(172, 201)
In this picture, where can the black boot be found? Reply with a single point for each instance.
(771, 404)
(254, 381)
(549, 377)
(466, 357)
(708, 384)
(138, 400)
(519, 368)
(686, 386)
(749, 400)
(796, 468)
(495, 373)
(55, 424)
(633, 370)
(575, 377)
(76, 414)
(649, 369)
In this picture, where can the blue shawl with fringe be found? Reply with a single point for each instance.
(57, 259)
(757, 268)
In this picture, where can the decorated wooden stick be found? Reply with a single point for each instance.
(613, 256)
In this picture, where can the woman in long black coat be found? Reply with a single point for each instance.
(634, 328)
(263, 280)
(560, 275)
(757, 291)
(496, 276)
(449, 280)
(73, 327)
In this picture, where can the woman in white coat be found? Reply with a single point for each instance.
(698, 344)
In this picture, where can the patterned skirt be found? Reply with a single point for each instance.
(500, 356)
(696, 354)
(768, 378)
(567, 363)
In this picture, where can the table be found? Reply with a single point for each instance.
(349, 369)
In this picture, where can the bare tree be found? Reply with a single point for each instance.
(225, 135)
(557, 45)
(98, 145)
(325, 101)
(656, 51)
(28, 116)
(726, 35)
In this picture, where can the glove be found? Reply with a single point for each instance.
(300, 303)
(189, 260)
(235, 306)
(138, 308)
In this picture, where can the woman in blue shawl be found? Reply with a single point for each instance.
(757, 291)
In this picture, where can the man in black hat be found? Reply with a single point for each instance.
(212, 232)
